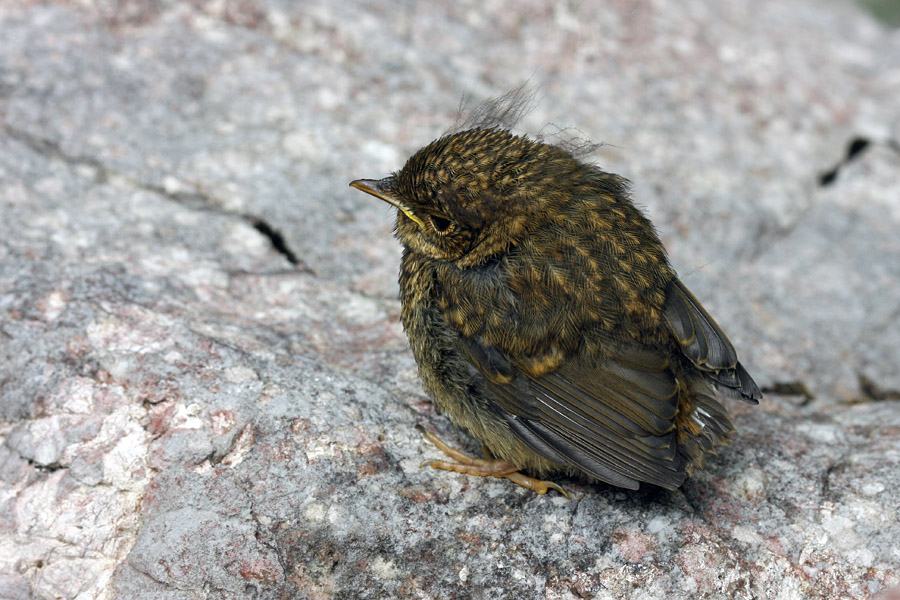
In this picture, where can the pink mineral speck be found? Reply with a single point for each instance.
(634, 545)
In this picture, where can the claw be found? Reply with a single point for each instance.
(483, 467)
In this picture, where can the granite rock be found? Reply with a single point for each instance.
(204, 388)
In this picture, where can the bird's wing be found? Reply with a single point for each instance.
(613, 419)
(705, 344)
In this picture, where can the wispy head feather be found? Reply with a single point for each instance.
(502, 112)
(506, 111)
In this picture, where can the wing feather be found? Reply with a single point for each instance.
(706, 345)
(613, 420)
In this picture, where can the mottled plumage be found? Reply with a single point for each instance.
(545, 317)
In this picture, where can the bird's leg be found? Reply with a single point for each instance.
(484, 467)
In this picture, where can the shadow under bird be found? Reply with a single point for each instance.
(546, 320)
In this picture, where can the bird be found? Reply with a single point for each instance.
(547, 321)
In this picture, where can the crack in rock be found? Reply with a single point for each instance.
(855, 149)
(790, 388)
(872, 391)
(276, 238)
(195, 200)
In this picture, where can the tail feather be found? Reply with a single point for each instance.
(706, 426)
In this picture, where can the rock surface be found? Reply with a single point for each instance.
(204, 389)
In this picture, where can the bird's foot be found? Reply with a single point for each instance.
(483, 467)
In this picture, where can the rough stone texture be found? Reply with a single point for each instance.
(188, 411)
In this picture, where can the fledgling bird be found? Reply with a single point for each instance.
(546, 320)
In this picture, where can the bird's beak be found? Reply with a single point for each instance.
(383, 188)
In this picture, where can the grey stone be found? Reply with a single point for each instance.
(204, 388)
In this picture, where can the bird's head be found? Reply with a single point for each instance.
(468, 196)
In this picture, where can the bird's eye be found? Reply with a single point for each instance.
(440, 224)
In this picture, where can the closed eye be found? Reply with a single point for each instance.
(440, 224)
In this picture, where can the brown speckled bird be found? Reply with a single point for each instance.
(546, 320)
